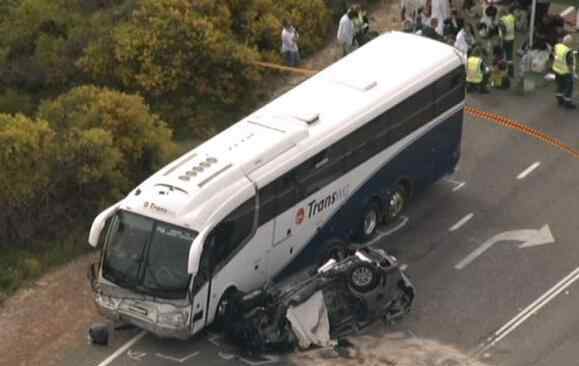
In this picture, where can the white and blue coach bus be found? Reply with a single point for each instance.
(321, 164)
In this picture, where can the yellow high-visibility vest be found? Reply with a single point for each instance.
(560, 64)
(473, 70)
(509, 22)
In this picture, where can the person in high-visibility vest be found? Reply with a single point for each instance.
(477, 73)
(563, 67)
(361, 24)
(508, 27)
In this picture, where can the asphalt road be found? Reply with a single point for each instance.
(506, 182)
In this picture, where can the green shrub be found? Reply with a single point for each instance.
(31, 268)
(13, 101)
(25, 158)
(176, 46)
(118, 121)
(10, 278)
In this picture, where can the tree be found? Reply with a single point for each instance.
(142, 139)
(169, 47)
(25, 147)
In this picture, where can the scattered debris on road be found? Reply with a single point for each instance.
(99, 333)
(393, 349)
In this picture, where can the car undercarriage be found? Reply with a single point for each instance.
(338, 299)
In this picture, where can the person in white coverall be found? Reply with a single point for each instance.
(464, 40)
(346, 32)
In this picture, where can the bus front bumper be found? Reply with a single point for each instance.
(164, 321)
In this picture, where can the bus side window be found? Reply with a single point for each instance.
(286, 192)
(267, 202)
(204, 272)
(308, 173)
(232, 233)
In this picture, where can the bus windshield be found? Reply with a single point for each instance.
(147, 256)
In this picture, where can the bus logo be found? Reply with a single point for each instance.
(300, 215)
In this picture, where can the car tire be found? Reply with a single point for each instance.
(363, 277)
(333, 249)
(395, 204)
(369, 221)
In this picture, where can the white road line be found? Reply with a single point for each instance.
(528, 171)
(458, 187)
(530, 310)
(450, 180)
(180, 360)
(461, 222)
(126, 346)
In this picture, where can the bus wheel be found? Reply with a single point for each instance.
(224, 310)
(369, 221)
(395, 204)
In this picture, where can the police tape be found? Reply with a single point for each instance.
(510, 123)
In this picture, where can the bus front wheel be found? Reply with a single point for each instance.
(369, 221)
(223, 313)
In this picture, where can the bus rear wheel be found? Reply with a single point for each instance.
(395, 204)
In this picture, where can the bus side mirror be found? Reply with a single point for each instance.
(99, 223)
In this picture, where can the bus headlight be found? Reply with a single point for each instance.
(174, 318)
(107, 302)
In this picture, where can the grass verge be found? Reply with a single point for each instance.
(19, 266)
(567, 2)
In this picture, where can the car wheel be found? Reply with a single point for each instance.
(333, 249)
(363, 277)
(395, 204)
(369, 221)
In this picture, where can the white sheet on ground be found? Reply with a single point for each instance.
(309, 321)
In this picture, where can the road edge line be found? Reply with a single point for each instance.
(524, 314)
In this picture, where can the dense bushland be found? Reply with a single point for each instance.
(93, 92)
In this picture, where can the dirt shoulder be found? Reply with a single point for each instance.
(38, 323)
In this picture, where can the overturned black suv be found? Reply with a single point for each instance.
(353, 292)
